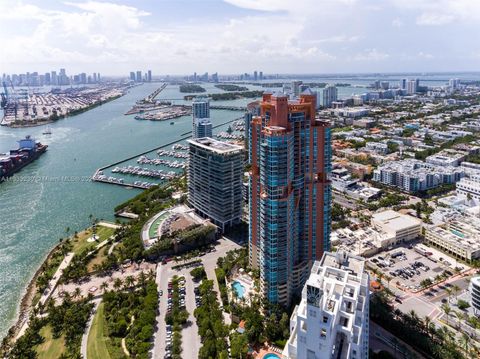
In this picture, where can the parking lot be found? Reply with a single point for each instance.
(407, 267)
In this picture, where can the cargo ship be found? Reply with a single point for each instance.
(28, 151)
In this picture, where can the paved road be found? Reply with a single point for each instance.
(109, 224)
(56, 277)
(49, 291)
(83, 347)
(190, 340)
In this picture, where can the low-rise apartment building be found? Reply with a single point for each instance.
(414, 175)
(459, 237)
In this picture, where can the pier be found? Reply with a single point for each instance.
(183, 137)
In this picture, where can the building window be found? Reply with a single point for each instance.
(325, 319)
(323, 333)
(312, 313)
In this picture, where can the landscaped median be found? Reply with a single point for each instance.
(176, 317)
(99, 344)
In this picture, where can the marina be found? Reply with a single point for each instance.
(77, 148)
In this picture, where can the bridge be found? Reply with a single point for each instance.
(230, 108)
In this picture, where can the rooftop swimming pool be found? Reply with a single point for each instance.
(239, 289)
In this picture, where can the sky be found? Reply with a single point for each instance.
(235, 36)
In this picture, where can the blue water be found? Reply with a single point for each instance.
(271, 356)
(33, 216)
(457, 233)
(239, 289)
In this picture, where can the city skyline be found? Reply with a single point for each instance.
(335, 37)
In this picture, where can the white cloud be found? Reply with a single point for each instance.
(371, 55)
(441, 12)
(434, 19)
(276, 35)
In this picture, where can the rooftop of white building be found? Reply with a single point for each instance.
(215, 145)
(395, 220)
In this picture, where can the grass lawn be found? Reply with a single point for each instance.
(99, 345)
(96, 347)
(51, 348)
(80, 243)
(99, 258)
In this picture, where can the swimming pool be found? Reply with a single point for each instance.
(271, 356)
(238, 288)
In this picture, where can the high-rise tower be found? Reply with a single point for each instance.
(202, 126)
(290, 194)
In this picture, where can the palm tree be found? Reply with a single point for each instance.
(77, 292)
(380, 277)
(465, 341)
(117, 283)
(104, 286)
(129, 281)
(427, 321)
(446, 309)
(142, 278)
(449, 292)
(151, 274)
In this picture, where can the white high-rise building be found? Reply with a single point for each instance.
(201, 107)
(454, 83)
(331, 320)
(412, 86)
(202, 128)
(201, 124)
(330, 94)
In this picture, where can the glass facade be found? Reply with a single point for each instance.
(289, 199)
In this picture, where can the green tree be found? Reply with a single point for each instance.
(239, 346)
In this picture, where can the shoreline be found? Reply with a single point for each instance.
(61, 117)
(24, 307)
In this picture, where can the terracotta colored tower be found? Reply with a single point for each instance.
(290, 194)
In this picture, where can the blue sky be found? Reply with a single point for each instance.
(233, 36)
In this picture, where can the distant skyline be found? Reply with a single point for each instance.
(235, 36)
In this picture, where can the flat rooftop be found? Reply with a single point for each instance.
(214, 145)
(340, 260)
(396, 220)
